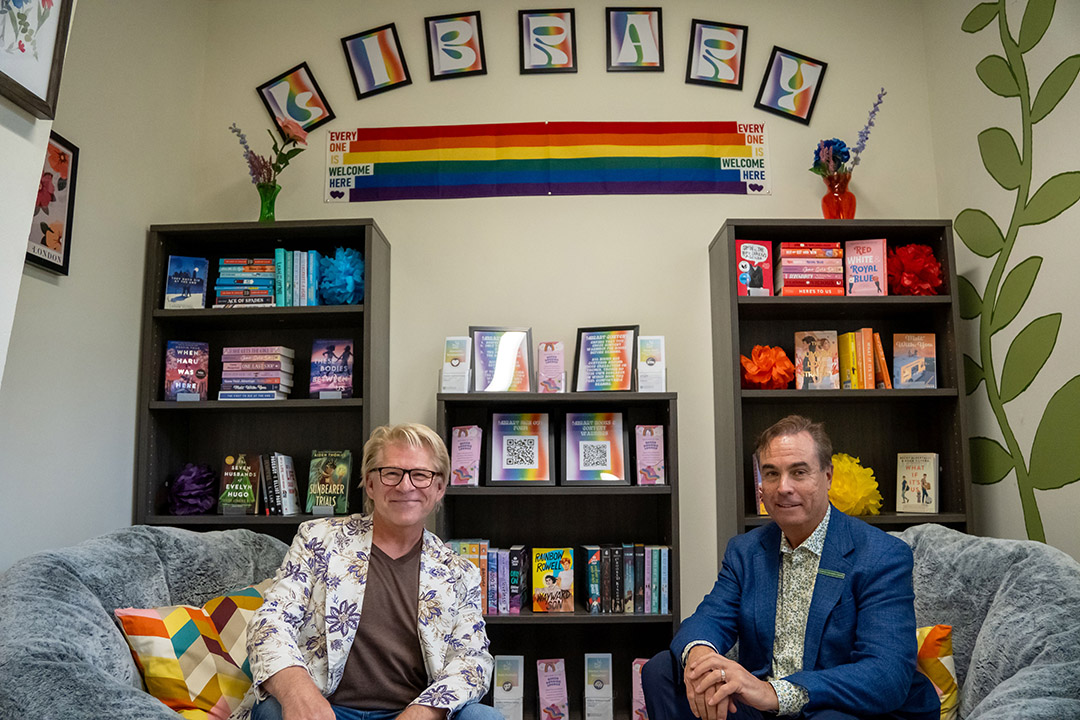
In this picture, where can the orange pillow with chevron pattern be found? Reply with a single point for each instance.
(195, 659)
(936, 663)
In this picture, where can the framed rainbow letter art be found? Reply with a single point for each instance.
(791, 85)
(635, 40)
(548, 43)
(717, 54)
(502, 358)
(294, 95)
(455, 46)
(376, 62)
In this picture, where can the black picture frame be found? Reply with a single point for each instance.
(523, 42)
(429, 29)
(350, 61)
(613, 66)
(769, 69)
(495, 446)
(480, 330)
(38, 105)
(632, 386)
(38, 251)
(693, 53)
(566, 477)
(263, 92)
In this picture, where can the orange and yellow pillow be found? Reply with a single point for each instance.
(936, 662)
(195, 659)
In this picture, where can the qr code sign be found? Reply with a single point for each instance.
(520, 452)
(594, 455)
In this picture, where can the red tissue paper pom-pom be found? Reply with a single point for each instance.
(768, 368)
(913, 270)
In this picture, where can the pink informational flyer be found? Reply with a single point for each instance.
(650, 454)
(465, 455)
(551, 683)
(551, 368)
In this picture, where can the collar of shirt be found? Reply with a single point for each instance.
(815, 543)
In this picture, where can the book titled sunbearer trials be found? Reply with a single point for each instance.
(328, 482)
(239, 484)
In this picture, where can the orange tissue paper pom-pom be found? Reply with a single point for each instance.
(767, 368)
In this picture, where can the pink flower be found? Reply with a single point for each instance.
(293, 131)
(22, 48)
(46, 192)
(47, 4)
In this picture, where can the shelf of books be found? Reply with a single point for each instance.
(883, 371)
(263, 366)
(568, 503)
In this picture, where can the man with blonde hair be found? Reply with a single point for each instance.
(372, 617)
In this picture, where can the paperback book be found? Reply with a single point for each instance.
(754, 263)
(917, 482)
(520, 448)
(185, 283)
(331, 368)
(864, 262)
(649, 446)
(553, 579)
(591, 577)
(595, 448)
(187, 366)
(465, 455)
(817, 361)
(239, 485)
(328, 482)
(914, 360)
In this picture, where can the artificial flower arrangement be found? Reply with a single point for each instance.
(831, 159)
(265, 170)
(854, 490)
(767, 368)
(913, 270)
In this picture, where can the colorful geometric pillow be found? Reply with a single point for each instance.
(936, 662)
(195, 659)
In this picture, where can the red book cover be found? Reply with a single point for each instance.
(812, 291)
(804, 245)
(754, 262)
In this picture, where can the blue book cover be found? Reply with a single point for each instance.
(279, 277)
(185, 282)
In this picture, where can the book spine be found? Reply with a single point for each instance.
(811, 291)
(279, 277)
(313, 271)
(790, 276)
(289, 278)
(504, 582)
(849, 374)
(266, 375)
(302, 278)
(277, 365)
(639, 579)
(257, 350)
(244, 282)
(816, 282)
(665, 579)
(492, 581)
(227, 261)
(593, 579)
(290, 497)
(255, 386)
(648, 581)
(482, 550)
(250, 395)
(264, 495)
(655, 579)
(605, 580)
(811, 253)
(274, 481)
(866, 358)
(628, 578)
(882, 376)
(809, 245)
(518, 585)
(616, 579)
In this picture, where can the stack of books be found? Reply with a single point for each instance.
(254, 372)
(244, 282)
(809, 269)
(297, 277)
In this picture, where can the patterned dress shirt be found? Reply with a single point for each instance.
(798, 573)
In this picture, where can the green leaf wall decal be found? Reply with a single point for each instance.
(982, 15)
(973, 375)
(1037, 18)
(990, 462)
(970, 302)
(979, 232)
(1054, 87)
(1057, 195)
(996, 74)
(1054, 459)
(1014, 292)
(1029, 351)
(1001, 158)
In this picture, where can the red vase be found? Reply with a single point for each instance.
(839, 202)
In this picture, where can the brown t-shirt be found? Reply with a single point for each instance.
(385, 668)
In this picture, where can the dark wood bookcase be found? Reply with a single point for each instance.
(171, 434)
(562, 516)
(873, 425)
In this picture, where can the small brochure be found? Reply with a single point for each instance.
(455, 370)
(598, 695)
(652, 365)
(465, 455)
(508, 690)
(649, 443)
(595, 449)
(551, 684)
(551, 368)
(637, 710)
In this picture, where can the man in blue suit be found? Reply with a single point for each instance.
(821, 605)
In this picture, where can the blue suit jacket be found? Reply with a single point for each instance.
(860, 649)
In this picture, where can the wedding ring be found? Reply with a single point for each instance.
(723, 675)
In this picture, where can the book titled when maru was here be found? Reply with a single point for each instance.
(328, 482)
(239, 484)
(186, 368)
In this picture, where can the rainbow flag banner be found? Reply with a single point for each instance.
(546, 158)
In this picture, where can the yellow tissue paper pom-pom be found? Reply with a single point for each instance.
(854, 490)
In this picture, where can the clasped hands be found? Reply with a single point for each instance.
(714, 683)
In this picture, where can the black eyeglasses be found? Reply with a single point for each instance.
(392, 476)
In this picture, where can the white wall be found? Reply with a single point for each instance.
(130, 100)
(961, 108)
(557, 264)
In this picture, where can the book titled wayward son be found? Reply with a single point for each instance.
(914, 360)
(328, 482)
(186, 368)
(185, 282)
(595, 449)
(553, 579)
(332, 369)
(520, 449)
(239, 484)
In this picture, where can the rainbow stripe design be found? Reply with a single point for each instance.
(455, 45)
(376, 61)
(717, 53)
(634, 39)
(547, 40)
(559, 158)
(791, 84)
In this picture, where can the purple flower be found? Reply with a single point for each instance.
(864, 134)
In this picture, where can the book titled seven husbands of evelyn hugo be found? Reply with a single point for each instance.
(332, 368)
(186, 367)
(328, 482)
(239, 485)
(185, 283)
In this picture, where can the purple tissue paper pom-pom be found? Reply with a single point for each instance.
(194, 490)
(341, 278)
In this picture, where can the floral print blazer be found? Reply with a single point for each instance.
(310, 614)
